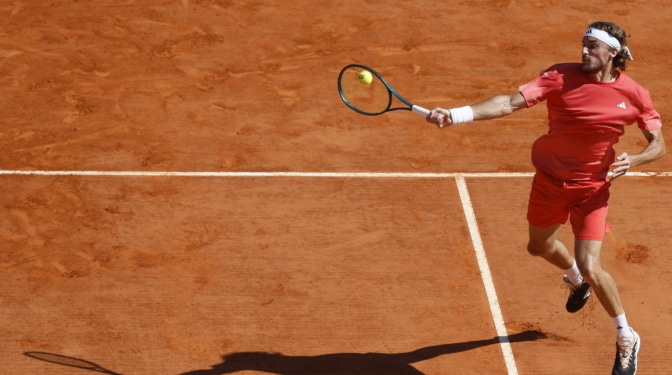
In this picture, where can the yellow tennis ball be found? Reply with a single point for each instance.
(365, 77)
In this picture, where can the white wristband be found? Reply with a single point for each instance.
(461, 115)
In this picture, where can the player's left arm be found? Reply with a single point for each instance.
(654, 150)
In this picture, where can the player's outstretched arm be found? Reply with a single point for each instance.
(494, 107)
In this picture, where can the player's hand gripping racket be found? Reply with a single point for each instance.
(365, 91)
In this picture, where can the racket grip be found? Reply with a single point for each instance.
(419, 110)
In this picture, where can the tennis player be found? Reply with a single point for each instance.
(589, 104)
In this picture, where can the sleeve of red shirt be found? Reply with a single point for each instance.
(536, 90)
(649, 119)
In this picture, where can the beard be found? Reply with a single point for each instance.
(591, 66)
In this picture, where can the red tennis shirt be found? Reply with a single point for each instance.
(586, 118)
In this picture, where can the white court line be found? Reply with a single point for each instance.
(486, 276)
(294, 174)
(260, 174)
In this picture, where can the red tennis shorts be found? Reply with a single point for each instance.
(585, 203)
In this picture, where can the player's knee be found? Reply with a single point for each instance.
(590, 273)
(537, 250)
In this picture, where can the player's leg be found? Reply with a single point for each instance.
(589, 225)
(546, 212)
(544, 243)
(587, 253)
(627, 340)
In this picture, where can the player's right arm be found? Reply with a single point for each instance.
(498, 106)
(491, 108)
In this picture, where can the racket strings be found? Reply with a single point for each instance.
(371, 98)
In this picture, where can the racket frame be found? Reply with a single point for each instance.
(391, 91)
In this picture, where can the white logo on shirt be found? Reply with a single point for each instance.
(621, 105)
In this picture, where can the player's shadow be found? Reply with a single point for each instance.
(350, 363)
(64, 360)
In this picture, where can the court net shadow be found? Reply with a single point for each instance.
(350, 363)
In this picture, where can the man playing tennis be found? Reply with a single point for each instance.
(589, 104)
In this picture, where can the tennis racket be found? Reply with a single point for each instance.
(370, 94)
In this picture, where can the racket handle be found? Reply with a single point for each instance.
(419, 110)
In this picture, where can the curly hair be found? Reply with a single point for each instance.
(620, 34)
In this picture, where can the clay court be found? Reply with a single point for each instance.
(183, 191)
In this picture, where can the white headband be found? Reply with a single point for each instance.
(609, 40)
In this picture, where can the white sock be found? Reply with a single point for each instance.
(622, 327)
(574, 275)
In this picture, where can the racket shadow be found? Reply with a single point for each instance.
(351, 363)
(63, 360)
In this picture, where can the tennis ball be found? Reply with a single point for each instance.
(365, 77)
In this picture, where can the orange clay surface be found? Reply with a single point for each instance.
(224, 273)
